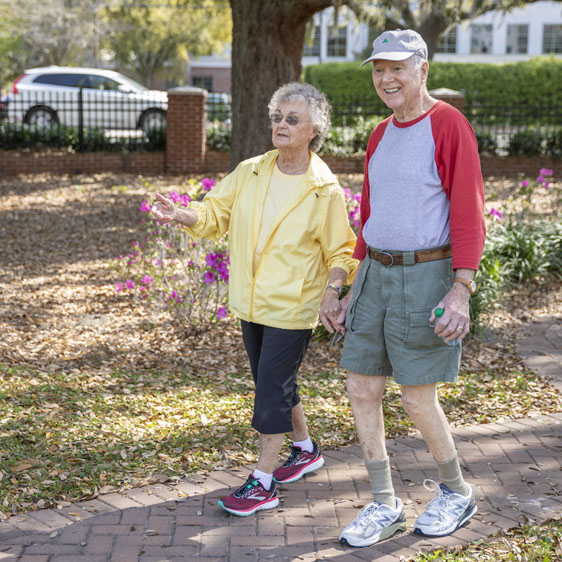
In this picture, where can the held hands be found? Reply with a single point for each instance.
(164, 210)
(330, 311)
(455, 322)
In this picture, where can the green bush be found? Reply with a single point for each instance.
(529, 142)
(553, 144)
(534, 82)
(515, 254)
(218, 137)
(487, 143)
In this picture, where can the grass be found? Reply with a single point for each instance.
(66, 436)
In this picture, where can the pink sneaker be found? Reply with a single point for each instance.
(298, 464)
(249, 498)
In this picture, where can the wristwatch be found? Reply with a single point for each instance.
(470, 284)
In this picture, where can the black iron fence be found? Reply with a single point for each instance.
(87, 120)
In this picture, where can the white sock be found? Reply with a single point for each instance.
(263, 477)
(306, 445)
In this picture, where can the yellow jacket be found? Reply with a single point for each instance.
(310, 236)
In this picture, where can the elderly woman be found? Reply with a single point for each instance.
(290, 250)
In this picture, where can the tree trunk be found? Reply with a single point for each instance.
(267, 43)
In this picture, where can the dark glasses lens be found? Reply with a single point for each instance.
(290, 119)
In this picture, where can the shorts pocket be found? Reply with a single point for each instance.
(357, 289)
(419, 333)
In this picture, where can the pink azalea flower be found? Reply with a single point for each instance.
(130, 284)
(346, 192)
(211, 260)
(175, 197)
(525, 183)
(221, 312)
(497, 215)
(208, 277)
(118, 287)
(145, 207)
(545, 172)
(546, 185)
(185, 200)
(146, 280)
(540, 179)
(208, 184)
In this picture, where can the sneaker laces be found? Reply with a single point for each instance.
(440, 501)
(295, 453)
(367, 516)
(247, 487)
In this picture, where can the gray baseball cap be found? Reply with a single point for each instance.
(397, 45)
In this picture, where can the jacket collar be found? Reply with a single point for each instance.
(318, 174)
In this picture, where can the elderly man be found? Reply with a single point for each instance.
(421, 240)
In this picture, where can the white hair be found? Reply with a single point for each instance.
(318, 105)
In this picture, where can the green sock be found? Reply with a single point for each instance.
(381, 481)
(451, 475)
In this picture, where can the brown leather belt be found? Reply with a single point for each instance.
(410, 258)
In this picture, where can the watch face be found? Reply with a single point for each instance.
(472, 286)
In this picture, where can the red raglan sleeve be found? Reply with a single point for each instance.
(458, 164)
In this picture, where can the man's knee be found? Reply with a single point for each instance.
(364, 387)
(419, 401)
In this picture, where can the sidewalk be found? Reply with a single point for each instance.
(515, 467)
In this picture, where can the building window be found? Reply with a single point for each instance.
(337, 43)
(313, 49)
(205, 82)
(517, 39)
(552, 39)
(481, 38)
(448, 41)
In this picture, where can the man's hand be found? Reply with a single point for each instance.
(455, 322)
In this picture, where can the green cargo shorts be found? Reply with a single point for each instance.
(387, 323)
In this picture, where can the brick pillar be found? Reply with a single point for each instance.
(456, 99)
(186, 129)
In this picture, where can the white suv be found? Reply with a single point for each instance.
(50, 96)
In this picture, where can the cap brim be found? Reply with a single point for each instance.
(396, 55)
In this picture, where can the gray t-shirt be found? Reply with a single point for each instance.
(409, 208)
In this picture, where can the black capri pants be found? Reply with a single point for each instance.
(275, 356)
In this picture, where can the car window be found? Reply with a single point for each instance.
(72, 80)
(102, 83)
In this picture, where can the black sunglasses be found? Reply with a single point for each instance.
(290, 119)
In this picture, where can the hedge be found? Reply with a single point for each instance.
(533, 82)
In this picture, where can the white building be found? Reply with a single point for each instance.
(525, 32)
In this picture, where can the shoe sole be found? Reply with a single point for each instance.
(318, 463)
(270, 504)
(386, 533)
(470, 511)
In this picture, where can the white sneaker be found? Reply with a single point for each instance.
(446, 512)
(374, 523)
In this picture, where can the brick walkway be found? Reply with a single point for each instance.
(515, 467)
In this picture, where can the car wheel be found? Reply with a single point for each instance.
(41, 117)
(152, 119)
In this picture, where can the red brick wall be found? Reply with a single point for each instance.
(13, 162)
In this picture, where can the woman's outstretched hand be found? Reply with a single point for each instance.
(164, 210)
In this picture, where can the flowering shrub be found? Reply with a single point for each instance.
(188, 278)
(528, 187)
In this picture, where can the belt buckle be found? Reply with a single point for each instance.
(391, 259)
